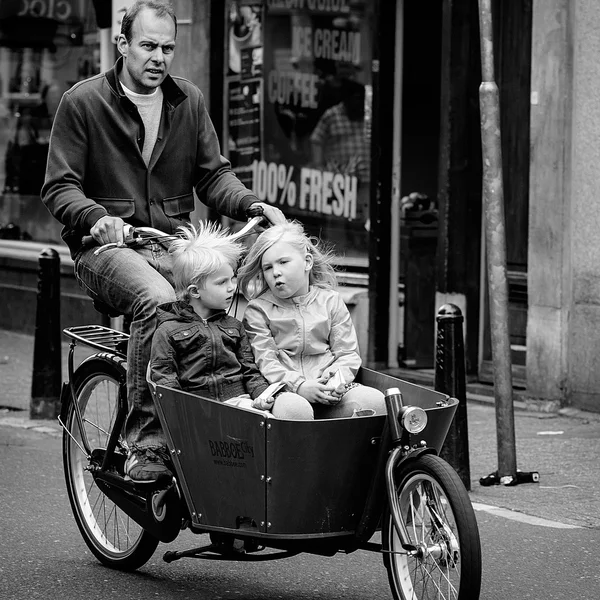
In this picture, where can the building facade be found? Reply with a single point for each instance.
(360, 118)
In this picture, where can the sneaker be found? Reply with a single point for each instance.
(147, 464)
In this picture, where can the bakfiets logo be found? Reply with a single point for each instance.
(237, 449)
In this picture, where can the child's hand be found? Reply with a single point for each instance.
(339, 391)
(336, 385)
(263, 403)
(317, 392)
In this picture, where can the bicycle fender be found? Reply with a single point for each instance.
(65, 392)
(412, 455)
(107, 356)
(65, 399)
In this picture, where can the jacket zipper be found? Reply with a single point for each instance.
(299, 307)
(213, 355)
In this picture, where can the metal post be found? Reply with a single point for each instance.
(396, 192)
(493, 197)
(47, 372)
(450, 379)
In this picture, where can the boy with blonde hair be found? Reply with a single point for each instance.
(197, 347)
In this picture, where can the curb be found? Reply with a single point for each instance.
(491, 401)
(576, 413)
(47, 426)
(543, 409)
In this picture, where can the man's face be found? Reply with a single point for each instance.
(149, 55)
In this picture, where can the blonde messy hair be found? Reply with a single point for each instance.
(250, 274)
(199, 253)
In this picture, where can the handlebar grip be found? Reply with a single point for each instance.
(254, 210)
(87, 241)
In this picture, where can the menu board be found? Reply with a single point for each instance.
(244, 110)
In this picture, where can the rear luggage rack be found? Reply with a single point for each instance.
(99, 337)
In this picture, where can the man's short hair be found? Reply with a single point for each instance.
(163, 8)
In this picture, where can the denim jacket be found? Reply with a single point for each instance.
(210, 357)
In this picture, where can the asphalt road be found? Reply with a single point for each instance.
(42, 555)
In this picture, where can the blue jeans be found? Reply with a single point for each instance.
(134, 282)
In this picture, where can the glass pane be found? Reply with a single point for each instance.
(45, 47)
(298, 92)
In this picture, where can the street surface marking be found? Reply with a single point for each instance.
(521, 517)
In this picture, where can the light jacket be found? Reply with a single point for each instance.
(95, 165)
(297, 339)
(211, 357)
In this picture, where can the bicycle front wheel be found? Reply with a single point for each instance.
(115, 540)
(439, 518)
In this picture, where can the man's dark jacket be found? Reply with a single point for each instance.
(95, 165)
(211, 357)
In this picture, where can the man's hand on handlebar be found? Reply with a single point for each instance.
(108, 230)
(271, 213)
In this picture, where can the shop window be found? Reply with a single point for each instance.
(298, 112)
(45, 47)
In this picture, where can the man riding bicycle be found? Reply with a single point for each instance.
(132, 145)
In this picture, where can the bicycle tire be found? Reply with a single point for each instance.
(437, 512)
(113, 538)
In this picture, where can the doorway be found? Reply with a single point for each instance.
(420, 138)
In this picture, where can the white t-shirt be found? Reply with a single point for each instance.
(150, 109)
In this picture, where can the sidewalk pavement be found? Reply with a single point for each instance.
(16, 369)
(563, 446)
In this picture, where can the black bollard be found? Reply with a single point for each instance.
(450, 378)
(47, 372)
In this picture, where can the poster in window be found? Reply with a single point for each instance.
(314, 60)
(245, 39)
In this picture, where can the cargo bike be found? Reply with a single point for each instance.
(267, 488)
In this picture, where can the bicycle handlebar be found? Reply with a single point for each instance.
(135, 235)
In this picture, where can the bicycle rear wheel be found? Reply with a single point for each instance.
(115, 540)
(438, 515)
